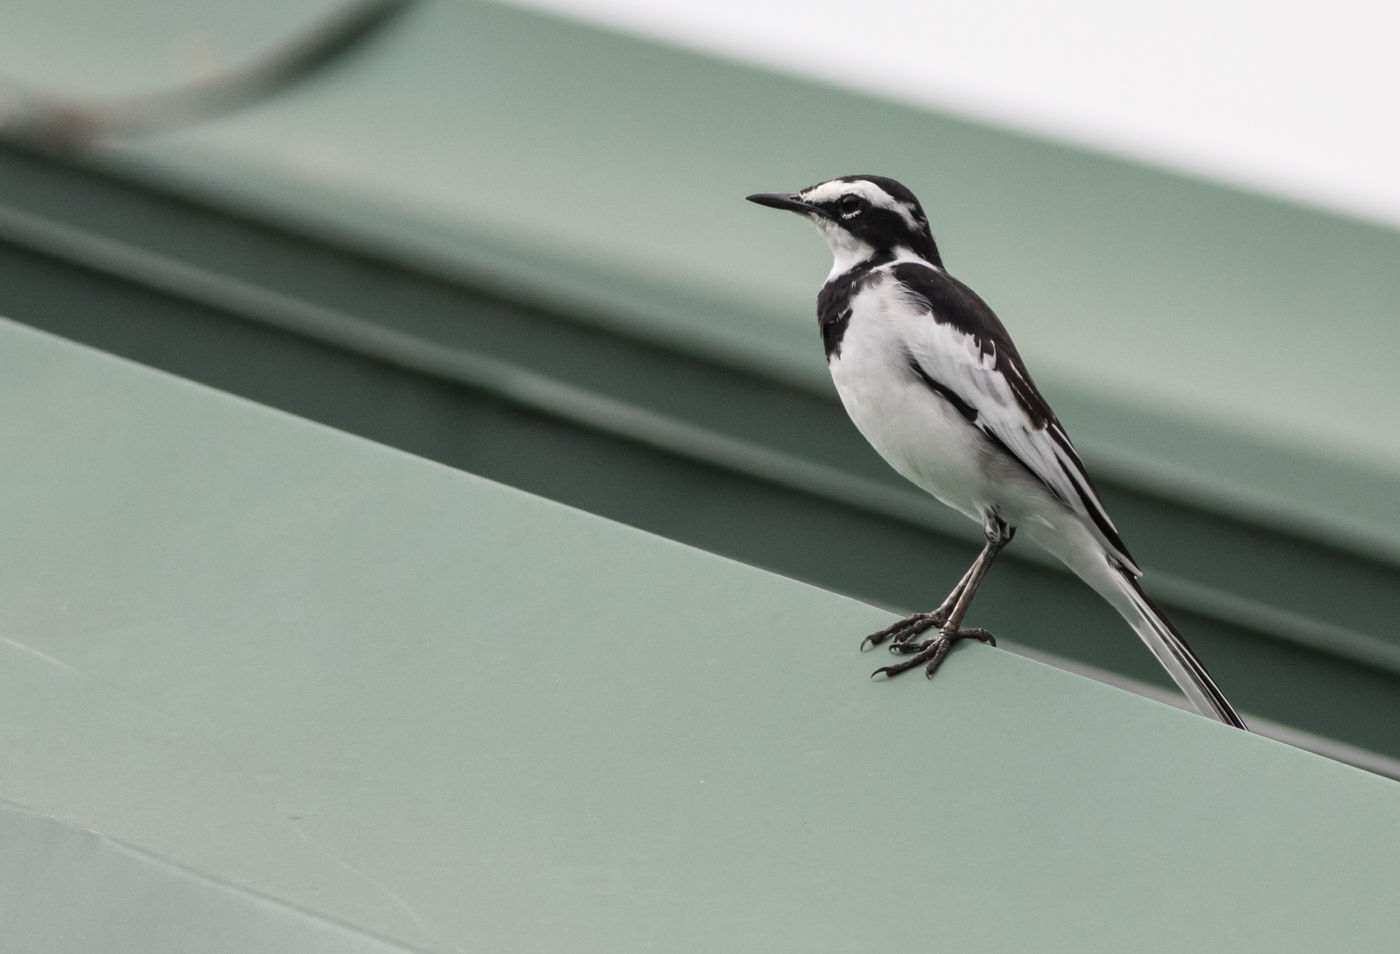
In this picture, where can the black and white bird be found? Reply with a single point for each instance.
(929, 375)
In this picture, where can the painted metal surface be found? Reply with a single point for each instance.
(476, 132)
(444, 245)
(470, 372)
(269, 686)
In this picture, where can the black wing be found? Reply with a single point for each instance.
(965, 352)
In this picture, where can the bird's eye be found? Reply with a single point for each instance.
(849, 205)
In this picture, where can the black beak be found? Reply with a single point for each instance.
(778, 200)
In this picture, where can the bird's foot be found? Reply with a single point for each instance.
(903, 632)
(930, 652)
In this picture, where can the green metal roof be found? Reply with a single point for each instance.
(269, 686)
(486, 135)
(506, 242)
(476, 125)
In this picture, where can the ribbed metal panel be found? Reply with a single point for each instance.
(491, 377)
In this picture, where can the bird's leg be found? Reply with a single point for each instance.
(903, 632)
(930, 652)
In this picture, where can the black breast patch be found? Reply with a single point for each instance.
(834, 302)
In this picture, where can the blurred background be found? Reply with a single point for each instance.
(512, 238)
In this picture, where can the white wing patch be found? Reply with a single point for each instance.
(956, 360)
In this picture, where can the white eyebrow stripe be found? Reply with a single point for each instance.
(876, 196)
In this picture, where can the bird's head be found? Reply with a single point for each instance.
(861, 218)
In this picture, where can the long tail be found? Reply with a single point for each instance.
(1171, 651)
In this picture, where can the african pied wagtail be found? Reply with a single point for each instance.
(929, 375)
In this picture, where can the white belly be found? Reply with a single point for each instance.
(922, 435)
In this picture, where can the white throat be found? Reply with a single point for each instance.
(847, 251)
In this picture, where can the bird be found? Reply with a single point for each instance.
(930, 377)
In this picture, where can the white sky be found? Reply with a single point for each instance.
(1291, 99)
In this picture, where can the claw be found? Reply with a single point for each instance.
(904, 630)
(931, 652)
(981, 635)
